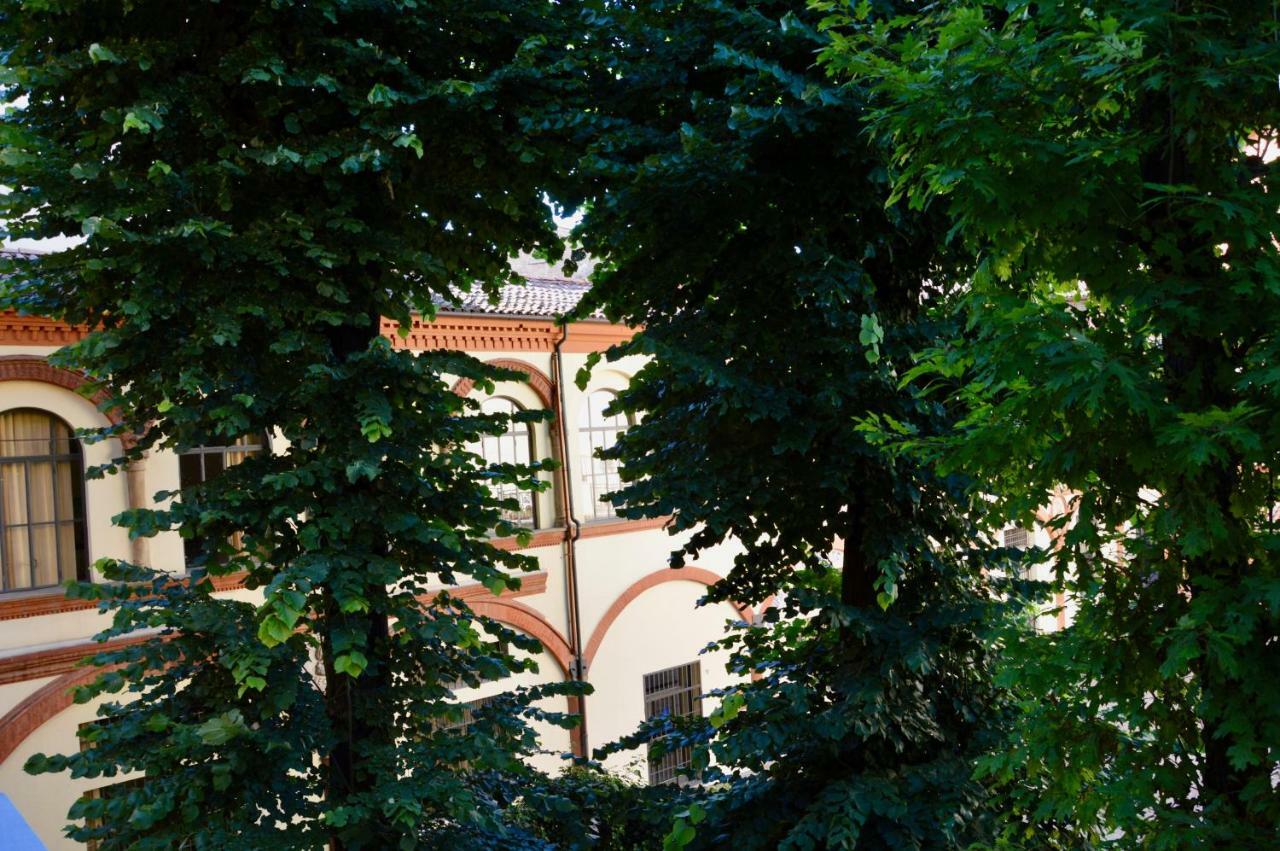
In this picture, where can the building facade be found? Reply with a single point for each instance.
(603, 603)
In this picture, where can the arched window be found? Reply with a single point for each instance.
(203, 463)
(42, 540)
(514, 446)
(599, 432)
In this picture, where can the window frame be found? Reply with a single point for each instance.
(202, 453)
(688, 687)
(512, 433)
(79, 506)
(600, 510)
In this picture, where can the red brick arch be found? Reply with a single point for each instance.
(40, 706)
(700, 575)
(36, 368)
(530, 622)
(536, 378)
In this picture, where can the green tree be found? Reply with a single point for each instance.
(1110, 167)
(738, 213)
(258, 185)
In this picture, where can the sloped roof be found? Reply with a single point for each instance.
(19, 253)
(539, 296)
(547, 297)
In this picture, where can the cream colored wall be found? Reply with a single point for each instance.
(663, 628)
(45, 799)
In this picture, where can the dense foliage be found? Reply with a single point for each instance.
(739, 216)
(258, 184)
(1111, 167)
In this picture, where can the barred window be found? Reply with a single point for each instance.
(42, 536)
(674, 692)
(598, 432)
(1015, 537)
(469, 710)
(204, 463)
(514, 446)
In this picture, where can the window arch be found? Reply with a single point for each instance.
(42, 531)
(599, 431)
(200, 464)
(514, 446)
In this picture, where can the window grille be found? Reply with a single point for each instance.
(501, 648)
(42, 540)
(469, 710)
(1015, 537)
(514, 446)
(674, 692)
(204, 463)
(599, 432)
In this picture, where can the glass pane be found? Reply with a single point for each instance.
(189, 469)
(213, 464)
(13, 490)
(65, 490)
(40, 481)
(44, 540)
(18, 573)
(25, 433)
(67, 547)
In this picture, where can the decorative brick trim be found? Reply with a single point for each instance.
(17, 330)
(530, 622)
(56, 603)
(52, 603)
(535, 378)
(58, 660)
(540, 538)
(531, 584)
(466, 333)
(38, 707)
(621, 526)
(684, 574)
(503, 334)
(556, 534)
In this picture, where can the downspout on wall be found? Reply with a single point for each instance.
(572, 531)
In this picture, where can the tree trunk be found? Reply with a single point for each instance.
(354, 704)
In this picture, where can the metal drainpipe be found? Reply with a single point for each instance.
(572, 531)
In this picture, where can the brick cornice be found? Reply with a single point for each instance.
(504, 334)
(448, 331)
(17, 330)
